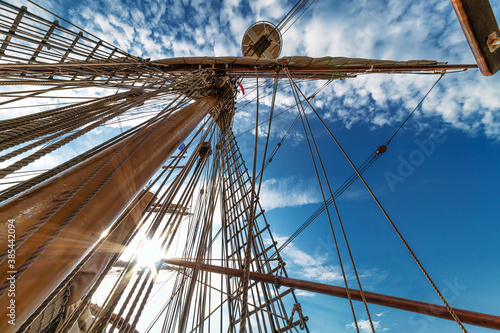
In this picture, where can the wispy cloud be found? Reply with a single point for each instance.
(288, 192)
(310, 267)
(365, 327)
(383, 30)
(319, 268)
(302, 293)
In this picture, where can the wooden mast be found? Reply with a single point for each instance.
(154, 147)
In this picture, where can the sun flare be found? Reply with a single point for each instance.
(149, 254)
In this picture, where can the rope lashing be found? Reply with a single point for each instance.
(297, 308)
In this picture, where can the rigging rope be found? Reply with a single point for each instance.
(292, 13)
(339, 219)
(248, 249)
(111, 303)
(69, 322)
(362, 168)
(308, 132)
(441, 296)
(415, 109)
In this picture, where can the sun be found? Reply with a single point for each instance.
(149, 254)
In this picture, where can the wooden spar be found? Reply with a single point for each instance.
(479, 24)
(322, 73)
(467, 317)
(250, 71)
(58, 260)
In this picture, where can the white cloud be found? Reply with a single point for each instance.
(288, 192)
(306, 266)
(268, 9)
(384, 30)
(365, 327)
(303, 293)
(319, 267)
(400, 31)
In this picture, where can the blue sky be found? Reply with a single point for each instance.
(439, 179)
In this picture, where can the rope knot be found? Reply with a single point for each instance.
(277, 282)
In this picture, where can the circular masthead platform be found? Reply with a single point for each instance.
(263, 40)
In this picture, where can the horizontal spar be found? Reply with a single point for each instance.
(467, 317)
(321, 72)
(299, 67)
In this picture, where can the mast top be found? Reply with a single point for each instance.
(263, 40)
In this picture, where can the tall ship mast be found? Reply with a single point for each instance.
(166, 204)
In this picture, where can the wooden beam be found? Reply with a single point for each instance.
(237, 69)
(44, 41)
(480, 28)
(467, 317)
(12, 30)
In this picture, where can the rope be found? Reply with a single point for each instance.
(112, 300)
(70, 218)
(33, 157)
(248, 250)
(298, 17)
(234, 223)
(68, 197)
(297, 308)
(22, 125)
(307, 133)
(69, 322)
(450, 310)
(289, 16)
(415, 109)
(342, 188)
(136, 300)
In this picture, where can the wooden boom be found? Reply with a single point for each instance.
(467, 317)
